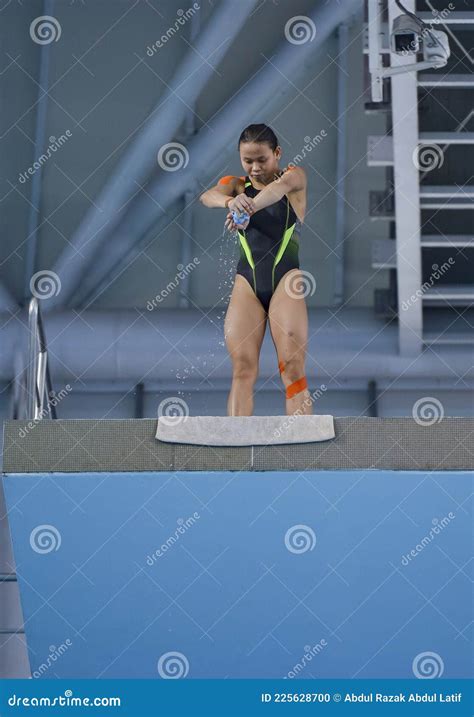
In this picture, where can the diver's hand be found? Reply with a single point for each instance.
(242, 203)
(232, 226)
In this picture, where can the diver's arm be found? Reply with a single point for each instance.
(226, 189)
(293, 180)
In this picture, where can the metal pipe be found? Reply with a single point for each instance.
(103, 346)
(372, 396)
(343, 41)
(193, 384)
(38, 372)
(31, 382)
(44, 373)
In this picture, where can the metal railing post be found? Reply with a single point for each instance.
(38, 374)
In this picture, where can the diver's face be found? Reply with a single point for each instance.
(259, 161)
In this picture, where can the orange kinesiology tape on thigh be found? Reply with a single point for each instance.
(296, 387)
(281, 366)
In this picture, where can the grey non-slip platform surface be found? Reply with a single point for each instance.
(93, 445)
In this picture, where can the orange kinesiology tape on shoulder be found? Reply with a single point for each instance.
(226, 180)
(296, 387)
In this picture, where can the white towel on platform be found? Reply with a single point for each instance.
(244, 430)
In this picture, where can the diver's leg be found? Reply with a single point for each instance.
(244, 329)
(288, 318)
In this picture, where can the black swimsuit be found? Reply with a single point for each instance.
(269, 246)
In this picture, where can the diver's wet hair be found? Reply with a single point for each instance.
(259, 133)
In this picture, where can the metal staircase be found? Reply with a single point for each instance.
(445, 198)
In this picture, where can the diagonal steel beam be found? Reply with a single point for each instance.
(139, 160)
(206, 147)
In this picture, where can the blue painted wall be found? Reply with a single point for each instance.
(245, 574)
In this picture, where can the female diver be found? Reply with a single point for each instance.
(268, 280)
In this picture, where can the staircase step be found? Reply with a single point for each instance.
(380, 147)
(445, 80)
(441, 190)
(446, 197)
(384, 254)
(449, 240)
(450, 18)
(455, 294)
(446, 137)
(457, 338)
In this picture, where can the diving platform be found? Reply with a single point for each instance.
(341, 558)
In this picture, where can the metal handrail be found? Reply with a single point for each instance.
(38, 374)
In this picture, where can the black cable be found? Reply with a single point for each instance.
(424, 25)
(411, 14)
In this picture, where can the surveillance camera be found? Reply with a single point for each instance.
(405, 37)
(409, 36)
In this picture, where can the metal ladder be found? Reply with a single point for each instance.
(453, 198)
